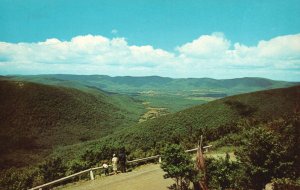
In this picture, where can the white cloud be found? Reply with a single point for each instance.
(282, 47)
(207, 56)
(206, 46)
(84, 50)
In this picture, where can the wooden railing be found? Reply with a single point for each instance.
(65, 178)
(90, 171)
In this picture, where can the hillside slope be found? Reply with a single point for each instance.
(160, 93)
(213, 120)
(128, 84)
(35, 118)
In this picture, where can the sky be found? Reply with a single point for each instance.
(187, 38)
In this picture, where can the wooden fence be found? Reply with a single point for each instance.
(90, 171)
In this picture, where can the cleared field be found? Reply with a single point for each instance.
(153, 113)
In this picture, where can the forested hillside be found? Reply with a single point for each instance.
(214, 120)
(36, 118)
(89, 126)
(160, 93)
(128, 84)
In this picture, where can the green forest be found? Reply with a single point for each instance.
(53, 126)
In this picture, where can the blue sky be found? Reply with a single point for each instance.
(180, 36)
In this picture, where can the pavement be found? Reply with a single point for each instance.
(148, 177)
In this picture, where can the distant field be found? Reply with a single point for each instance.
(172, 102)
(206, 99)
(153, 113)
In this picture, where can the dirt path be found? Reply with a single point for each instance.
(149, 177)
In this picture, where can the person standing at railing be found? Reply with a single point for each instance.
(105, 168)
(114, 161)
(122, 160)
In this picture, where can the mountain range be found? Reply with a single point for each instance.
(62, 114)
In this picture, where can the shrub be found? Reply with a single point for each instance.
(222, 173)
(285, 183)
(264, 156)
(52, 170)
(178, 165)
(15, 179)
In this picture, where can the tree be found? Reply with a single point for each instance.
(265, 156)
(178, 165)
(17, 179)
(90, 158)
(222, 173)
(53, 169)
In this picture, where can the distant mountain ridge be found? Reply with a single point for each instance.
(121, 84)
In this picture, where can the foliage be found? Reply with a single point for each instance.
(77, 166)
(36, 118)
(162, 91)
(53, 169)
(134, 85)
(215, 120)
(266, 155)
(92, 157)
(285, 183)
(178, 165)
(242, 109)
(17, 179)
(212, 120)
(222, 173)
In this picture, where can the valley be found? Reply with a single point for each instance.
(82, 120)
(161, 91)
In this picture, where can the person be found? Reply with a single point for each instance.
(105, 167)
(122, 157)
(114, 161)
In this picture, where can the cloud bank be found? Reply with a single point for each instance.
(207, 56)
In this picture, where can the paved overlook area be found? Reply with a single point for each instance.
(146, 177)
(149, 177)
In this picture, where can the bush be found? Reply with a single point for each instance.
(77, 167)
(265, 156)
(17, 179)
(178, 165)
(52, 170)
(285, 183)
(222, 173)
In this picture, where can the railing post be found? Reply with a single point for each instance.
(92, 175)
(40, 189)
(159, 159)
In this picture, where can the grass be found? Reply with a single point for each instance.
(172, 103)
(222, 151)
